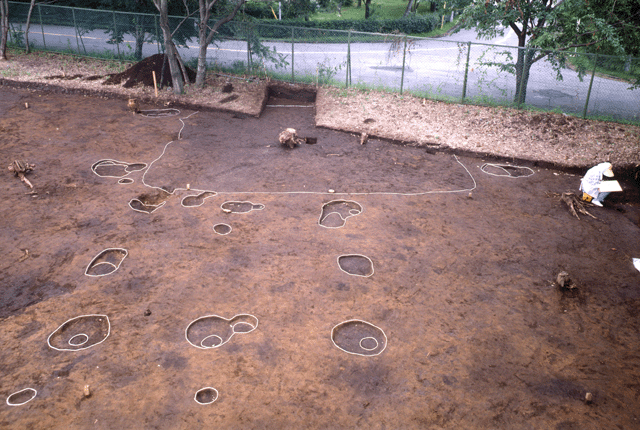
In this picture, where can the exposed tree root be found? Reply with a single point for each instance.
(575, 204)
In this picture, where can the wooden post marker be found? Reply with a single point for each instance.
(155, 83)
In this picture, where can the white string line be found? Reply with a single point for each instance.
(35, 393)
(159, 113)
(116, 266)
(355, 274)
(344, 323)
(508, 174)
(86, 347)
(351, 214)
(373, 193)
(164, 150)
(289, 106)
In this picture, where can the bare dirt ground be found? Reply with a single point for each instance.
(460, 284)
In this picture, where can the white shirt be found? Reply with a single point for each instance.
(591, 182)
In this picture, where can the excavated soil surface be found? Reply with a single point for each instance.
(456, 323)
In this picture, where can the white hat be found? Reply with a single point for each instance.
(608, 171)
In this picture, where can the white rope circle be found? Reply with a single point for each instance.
(213, 344)
(82, 342)
(99, 316)
(364, 326)
(144, 205)
(229, 325)
(222, 229)
(18, 393)
(359, 256)
(366, 339)
(95, 263)
(206, 391)
(352, 212)
(254, 206)
(504, 168)
(159, 113)
(201, 196)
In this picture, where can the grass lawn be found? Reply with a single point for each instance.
(382, 9)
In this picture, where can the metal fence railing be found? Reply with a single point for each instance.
(465, 72)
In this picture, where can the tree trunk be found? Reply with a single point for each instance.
(26, 32)
(523, 66)
(408, 10)
(359, 3)
(169, 47)
(185, 75)
(201, 72)
(206, 34)
(4, 28)
(367, 9)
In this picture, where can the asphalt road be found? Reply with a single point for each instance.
(433, 68)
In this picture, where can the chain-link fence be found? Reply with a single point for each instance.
(571, 82)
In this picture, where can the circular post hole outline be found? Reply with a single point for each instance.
(240, 207)
(358, 268)
(196, 200)
(222, 229)
(343, 209)
(20, 395)
(117, 255)
(213, 331)
(359, 337)
(75, 345)
(83, 336)
(206, 396)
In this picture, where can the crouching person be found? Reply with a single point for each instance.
(590, 184)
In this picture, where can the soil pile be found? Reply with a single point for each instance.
(141, 73)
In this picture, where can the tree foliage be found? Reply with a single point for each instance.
(624, 17)
(542, 27)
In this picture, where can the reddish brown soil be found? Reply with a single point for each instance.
(478, 335)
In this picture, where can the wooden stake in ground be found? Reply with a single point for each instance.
(155, 83)
(20, 168)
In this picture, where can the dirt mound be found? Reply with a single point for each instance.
(141, 73)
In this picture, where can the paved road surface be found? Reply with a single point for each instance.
(433, 67)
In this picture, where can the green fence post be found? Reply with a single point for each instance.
(593, 73)
(348, 71)
(404, 56)
(249, 67)
(521, 99)
(42, 27)
(293, 38)
(115, 33)
(75, 26)
(466, 73)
